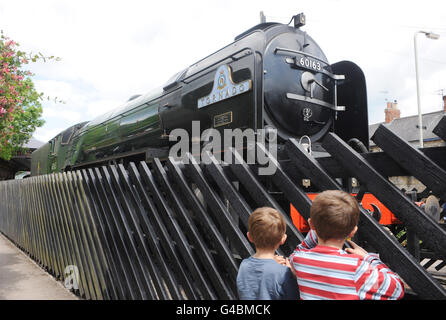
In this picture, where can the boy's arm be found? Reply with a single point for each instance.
(309, 242)
(290, 288)
(375, 281)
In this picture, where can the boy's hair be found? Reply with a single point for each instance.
(334, 214)
(266, 227)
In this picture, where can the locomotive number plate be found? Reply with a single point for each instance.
(308, 63)
(222, 119)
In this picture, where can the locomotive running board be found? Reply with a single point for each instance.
(177, 229)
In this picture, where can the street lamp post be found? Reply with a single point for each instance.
(433, 36)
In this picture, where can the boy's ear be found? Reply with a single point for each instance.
(310, 223)
(249, 237)
(284, 237)
(353, 232)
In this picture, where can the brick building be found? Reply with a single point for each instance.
(407, 128)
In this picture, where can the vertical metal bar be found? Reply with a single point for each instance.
(41, 244)
(84, 280)
(53, 229)
(177, 235)
(84, 251)
(114, 281)
(89, 243)
(413, 242)
(128, 240)
(201, 249)
(215, 170)
(294, 194)
(220, 213)
(64, 245)
(153, 239)
(167, 242)
(206, 223)
(261, 196)
(114, 232)
(134, 223)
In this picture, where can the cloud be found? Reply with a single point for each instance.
(69, 115)
(111, 50)
(44, 134)
(66, 100)
(99, 107)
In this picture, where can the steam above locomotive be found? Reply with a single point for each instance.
(272, 76)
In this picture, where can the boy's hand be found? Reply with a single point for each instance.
(280, 260)
(355, 249)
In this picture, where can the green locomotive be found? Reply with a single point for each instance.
(273, 75)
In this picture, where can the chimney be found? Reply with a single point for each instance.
(392, 111)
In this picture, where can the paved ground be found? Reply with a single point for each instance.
(22, 279)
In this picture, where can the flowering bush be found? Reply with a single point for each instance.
(20, 107)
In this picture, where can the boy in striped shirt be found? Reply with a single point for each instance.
(325, 271)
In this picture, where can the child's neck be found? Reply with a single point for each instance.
(331, 243)
(264, 253)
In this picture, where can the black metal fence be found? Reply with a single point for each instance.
(171, 230)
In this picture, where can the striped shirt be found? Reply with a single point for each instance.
(328, 273)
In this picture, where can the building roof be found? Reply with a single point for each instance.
(33, 143)
(407, 129)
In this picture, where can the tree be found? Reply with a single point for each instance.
(20, 103)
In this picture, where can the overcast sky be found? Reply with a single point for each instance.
(111, 50)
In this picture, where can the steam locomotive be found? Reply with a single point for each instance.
(273, 75)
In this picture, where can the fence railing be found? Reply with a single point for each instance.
(170, 230)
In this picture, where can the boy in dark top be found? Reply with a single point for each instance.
(260, 277)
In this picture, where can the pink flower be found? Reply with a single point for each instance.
(10, 43)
